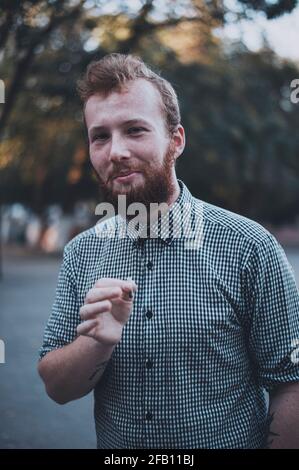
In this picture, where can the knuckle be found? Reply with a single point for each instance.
(89, 296)
(82, 313)
(117, 290)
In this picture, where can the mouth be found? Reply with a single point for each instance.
(125, 177)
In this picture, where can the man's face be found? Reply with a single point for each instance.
(130, 148)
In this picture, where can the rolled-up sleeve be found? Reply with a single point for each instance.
(274, 329)
(64, 319)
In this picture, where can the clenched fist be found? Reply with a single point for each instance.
(106, 310)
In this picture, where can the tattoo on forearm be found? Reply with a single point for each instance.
(269, 435)
(99, 368)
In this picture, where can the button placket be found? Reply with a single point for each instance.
(149, 391)
(149, 416)
(149, 314)
(150, 265)
(149, 364)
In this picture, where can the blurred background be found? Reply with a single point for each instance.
(231, 62)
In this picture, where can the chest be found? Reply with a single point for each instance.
(182, 297)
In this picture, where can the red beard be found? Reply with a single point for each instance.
(157, 188)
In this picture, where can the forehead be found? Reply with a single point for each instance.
(139, 99)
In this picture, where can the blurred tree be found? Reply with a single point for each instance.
(45, 47)
(271, 8)
(26, 26)
(242, 147)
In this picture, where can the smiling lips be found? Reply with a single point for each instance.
(125, 176)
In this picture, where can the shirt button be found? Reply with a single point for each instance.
(149, 314)
(150, 265)
(149, 416)
(149, 364)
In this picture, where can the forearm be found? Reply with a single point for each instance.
(283, 419)
(73, 371)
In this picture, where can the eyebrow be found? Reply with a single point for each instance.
(129, 122)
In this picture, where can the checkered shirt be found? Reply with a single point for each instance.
(215, 322)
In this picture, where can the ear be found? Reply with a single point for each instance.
(178, 138)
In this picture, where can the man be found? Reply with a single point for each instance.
(179, 332)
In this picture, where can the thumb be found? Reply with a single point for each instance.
(128, 291)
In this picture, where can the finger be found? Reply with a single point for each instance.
(128, 294)
(106, 282)
(129, 290)
(130, 285)
(86, 326)
(88, 311)
(97, 294)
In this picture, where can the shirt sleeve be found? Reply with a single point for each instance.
(274, 331)
(61, 327)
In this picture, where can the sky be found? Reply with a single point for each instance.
(282, 34)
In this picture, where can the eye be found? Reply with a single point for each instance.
(100, 137)
(136, 130)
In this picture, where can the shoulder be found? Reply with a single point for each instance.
(91, 239)
(229, 223)
(232, 235)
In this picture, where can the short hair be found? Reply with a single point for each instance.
(115, 70)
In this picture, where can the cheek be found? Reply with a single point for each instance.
(98, 167)
(92, 155)
(149, 153)
(93, 161)
(97, 158)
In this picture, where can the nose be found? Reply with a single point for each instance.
(118, 149)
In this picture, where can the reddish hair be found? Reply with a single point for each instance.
(114, 71)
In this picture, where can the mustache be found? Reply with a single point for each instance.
(121, 170)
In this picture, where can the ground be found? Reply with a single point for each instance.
(29, 419)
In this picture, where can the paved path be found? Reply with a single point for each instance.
(28, 418)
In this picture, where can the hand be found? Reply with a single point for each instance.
(106, 310)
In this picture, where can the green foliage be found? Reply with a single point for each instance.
(242, 130)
